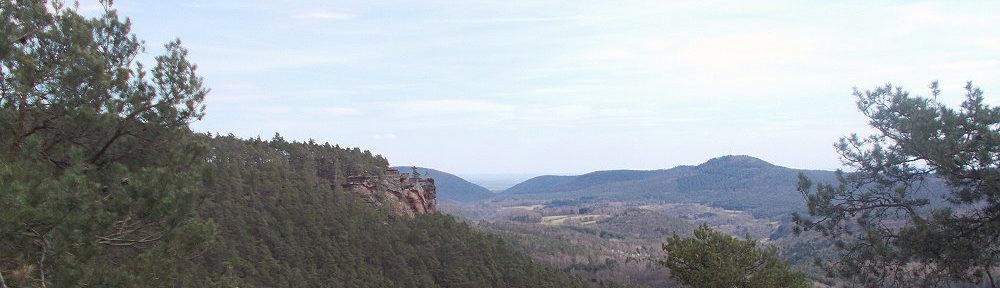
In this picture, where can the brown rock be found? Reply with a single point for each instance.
(407, 195)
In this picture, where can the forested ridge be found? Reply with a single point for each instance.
(735, 182)
(284, 221)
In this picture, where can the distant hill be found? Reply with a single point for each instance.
(540, 184)
(450, 187)
(735, 182)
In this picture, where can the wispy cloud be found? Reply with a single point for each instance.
(513, 72)
(972, 65)
(325, 15)
(244, 60)
(384, 136)
(490, 114)
(922, 16)
(503, 20)
(292, 111)
(335, 111)
(298, 10)
(447, 106)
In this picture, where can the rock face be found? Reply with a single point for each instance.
(406, 194)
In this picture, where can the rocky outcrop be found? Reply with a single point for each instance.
(406, 194)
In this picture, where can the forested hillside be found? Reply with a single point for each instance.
(284, 221)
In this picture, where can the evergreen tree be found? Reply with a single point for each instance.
(713, 259)
(96, 185)
(891, 229)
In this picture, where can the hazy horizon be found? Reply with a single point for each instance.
(567, 87)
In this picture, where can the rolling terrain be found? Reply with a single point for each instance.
(610, 225)
(734, 182)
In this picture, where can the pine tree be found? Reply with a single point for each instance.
(97, 185)
(713, 259)
(890, 226)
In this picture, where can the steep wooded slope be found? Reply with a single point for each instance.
(285, 221)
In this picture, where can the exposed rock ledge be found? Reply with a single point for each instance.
(406, 194)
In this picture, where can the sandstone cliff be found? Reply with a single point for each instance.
(404, 193)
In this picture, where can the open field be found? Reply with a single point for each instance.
(577, 219)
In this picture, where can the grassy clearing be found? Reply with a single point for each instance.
(581, 219)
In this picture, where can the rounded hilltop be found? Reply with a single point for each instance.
(744, 161)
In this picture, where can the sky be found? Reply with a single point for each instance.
(568, 87)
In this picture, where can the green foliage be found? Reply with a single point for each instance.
(713, 259)
(97, 185)
(882, 215)
(285, 222)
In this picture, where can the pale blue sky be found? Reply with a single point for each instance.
(568, 86)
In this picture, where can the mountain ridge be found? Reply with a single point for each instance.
(737, 182)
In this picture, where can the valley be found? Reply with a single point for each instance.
(610, 225)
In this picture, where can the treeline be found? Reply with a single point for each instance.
(283, 221)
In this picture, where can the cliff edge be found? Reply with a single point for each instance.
(406, 194)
